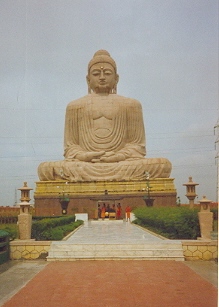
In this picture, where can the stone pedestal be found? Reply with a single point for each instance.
(205, 219)
(206, 224)
(85, 196)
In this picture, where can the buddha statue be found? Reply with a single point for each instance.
(104, 137)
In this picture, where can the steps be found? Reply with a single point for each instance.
(163, 250)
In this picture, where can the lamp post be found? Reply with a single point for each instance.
(64, 201)
(147, 198)
(190, 192)
(25, 218)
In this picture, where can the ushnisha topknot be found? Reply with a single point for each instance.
(102, 56)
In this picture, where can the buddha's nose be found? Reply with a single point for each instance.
(102, 75)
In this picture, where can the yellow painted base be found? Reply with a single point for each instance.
(29, 249)
(78, 189)
(200, 250)
(192, 249)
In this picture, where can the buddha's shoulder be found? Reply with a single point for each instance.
(122, 100)
(78, 102)
(126, 100)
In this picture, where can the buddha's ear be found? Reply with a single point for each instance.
(88, 80)
(114, 90)
(117, 78)
(88, 84)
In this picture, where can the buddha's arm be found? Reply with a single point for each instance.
(135, 145)
(71, 146)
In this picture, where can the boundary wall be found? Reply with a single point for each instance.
(192, 249)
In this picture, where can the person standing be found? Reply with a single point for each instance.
(118, 212)
(128, 213)
(103, 211)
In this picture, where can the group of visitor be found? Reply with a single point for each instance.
(103, 212)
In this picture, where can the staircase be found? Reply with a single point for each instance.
(163, 250)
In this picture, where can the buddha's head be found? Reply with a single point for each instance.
(102, 73)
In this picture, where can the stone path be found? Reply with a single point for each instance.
(114, 240)
(111, 232)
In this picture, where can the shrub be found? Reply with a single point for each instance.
(52, 234)
(54, 230)
(12, 229)
(176, 222)
(38, 218)
(49, 223)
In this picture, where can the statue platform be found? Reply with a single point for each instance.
(85, 196)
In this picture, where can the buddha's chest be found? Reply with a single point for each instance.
(103, 114)
(107, 110)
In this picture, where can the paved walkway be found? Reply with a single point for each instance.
(108, 283)
(112, 232)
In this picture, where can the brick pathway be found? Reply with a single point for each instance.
(116, 284)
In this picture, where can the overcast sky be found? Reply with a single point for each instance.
(167, 57)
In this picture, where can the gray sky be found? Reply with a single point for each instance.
(167, 57)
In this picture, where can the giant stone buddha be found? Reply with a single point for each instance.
(104, 136)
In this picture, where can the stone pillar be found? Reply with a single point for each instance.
(190, 192)
(25, 218)
(24, 221)
(205, 219)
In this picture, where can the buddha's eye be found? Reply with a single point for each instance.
(95, 73)
(108, 72)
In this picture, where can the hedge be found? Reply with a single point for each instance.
(12, 229)
(48, 225)
(176, 222)
(58, 233)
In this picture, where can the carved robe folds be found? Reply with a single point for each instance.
(110, 123)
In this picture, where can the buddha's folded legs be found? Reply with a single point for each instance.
(73, 171)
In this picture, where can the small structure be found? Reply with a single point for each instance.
(25, 218)
(190, 191)
(205, 219)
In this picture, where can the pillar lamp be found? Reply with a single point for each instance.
(25, 218)
(190, 191)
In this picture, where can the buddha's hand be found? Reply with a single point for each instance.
(90, 156)
(112, 157)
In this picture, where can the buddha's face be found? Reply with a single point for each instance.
(102, 78)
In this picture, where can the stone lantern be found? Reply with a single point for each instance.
(205, 218)
(190, 192)
(25, 218)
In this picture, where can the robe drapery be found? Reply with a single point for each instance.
(110, 123)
